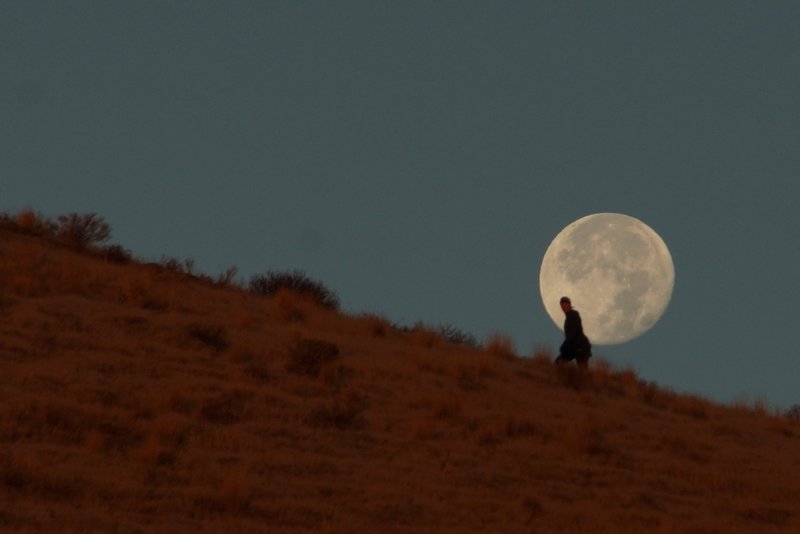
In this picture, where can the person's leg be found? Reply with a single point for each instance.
(565, 353)
(562, 359)
(582, 357)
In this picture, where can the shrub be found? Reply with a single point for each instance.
(258, 373)
(650, 393)
(178, 266)
(296, 281)
(456, 335)
(469, 380)
(215, 337)
(81, 230)
(515, 428)
(227, 278)
(336, 376)
(117, 254)
(793, 413)
(425, 336)
(342, 413)
(227, 408)
(35, 223)
(447, 408)
(586, 436)
(27, 474)
(375, 325)
(307, 356)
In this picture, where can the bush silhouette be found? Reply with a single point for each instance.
(793, 413)
(81, 230)
(307, 356)
(296, 281)
(458, 336)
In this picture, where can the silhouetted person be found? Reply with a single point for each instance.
(576, 345)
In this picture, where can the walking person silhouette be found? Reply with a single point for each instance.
(576, 345)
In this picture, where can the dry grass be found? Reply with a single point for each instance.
(214, 336)
(289, 306)
(342, 413)
(140, 399)
(500, 346)
(308, 356)
(469, 378)
(426, 337)
(586, 436)
(374, 325)
(447, 408)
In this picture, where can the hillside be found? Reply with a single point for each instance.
(139, 399)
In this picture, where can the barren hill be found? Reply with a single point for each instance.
(138, 399)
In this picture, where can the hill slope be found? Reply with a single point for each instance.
(137, 399)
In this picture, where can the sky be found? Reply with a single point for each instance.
(418, 157)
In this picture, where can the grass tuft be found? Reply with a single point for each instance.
(425, 336)
(342, 413)
(573, 377)
(375, 325)
(214, 336)
(500, 345)
(793, 414)
(542, 356)
(585, 436)
(308, 356)
(227, 408)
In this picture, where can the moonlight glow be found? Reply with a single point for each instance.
(617, 271)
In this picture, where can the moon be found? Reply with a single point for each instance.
(617, 271)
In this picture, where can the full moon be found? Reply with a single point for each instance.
(616, 270)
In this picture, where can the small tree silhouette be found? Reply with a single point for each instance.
(81, 230)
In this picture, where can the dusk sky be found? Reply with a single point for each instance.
(419, 157)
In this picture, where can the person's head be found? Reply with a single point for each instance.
(566, 304)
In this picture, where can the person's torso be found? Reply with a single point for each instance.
(573, 326)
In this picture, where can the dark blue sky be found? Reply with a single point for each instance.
(419, 157)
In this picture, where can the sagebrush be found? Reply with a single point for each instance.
(270, 283)
(81, 230)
